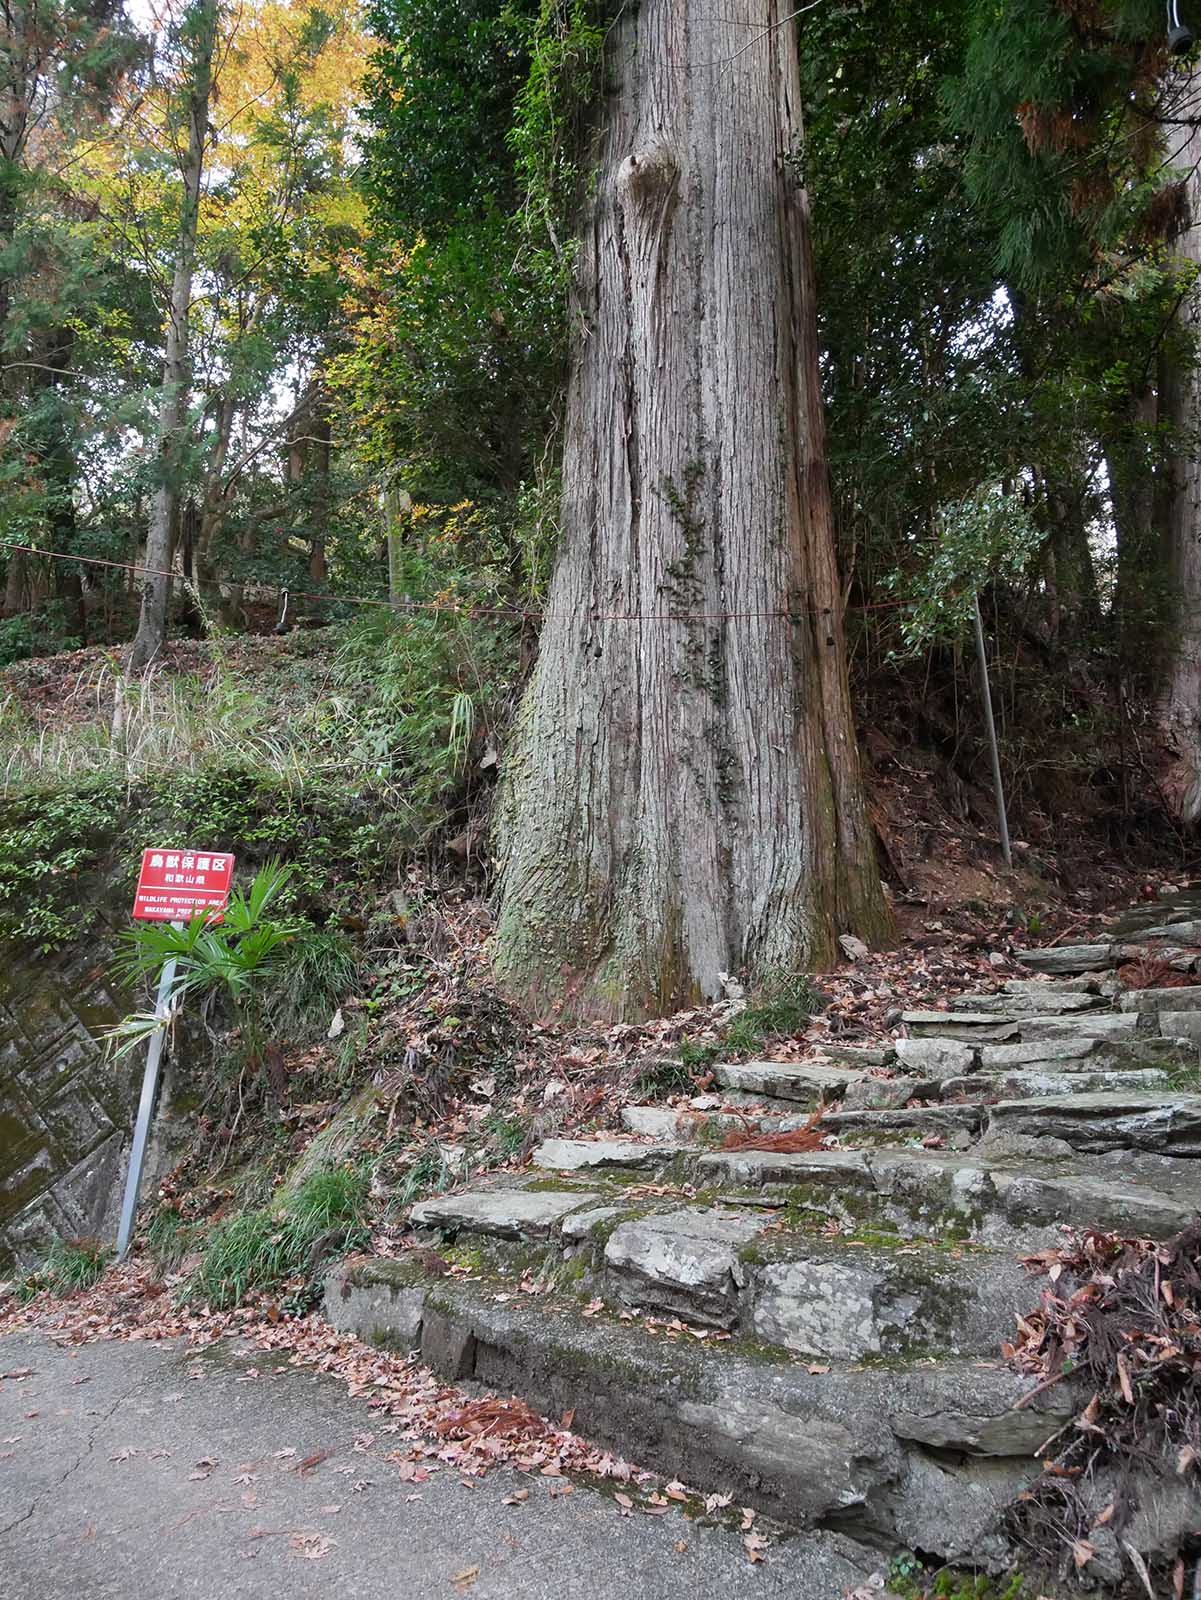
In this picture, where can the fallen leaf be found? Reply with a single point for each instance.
(754, 1544)
(518, 1497)
(310, 1546)
(465, 1579)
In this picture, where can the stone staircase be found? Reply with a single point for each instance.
(819, 1331)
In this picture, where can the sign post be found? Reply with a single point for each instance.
(173, 885)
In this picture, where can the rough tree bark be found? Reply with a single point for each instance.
(683, 797)
(1180, 403)
(201, 36)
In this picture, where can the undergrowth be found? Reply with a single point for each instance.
(71, 1264)
(779, 1009)
(272, 1246)
(910, 1579)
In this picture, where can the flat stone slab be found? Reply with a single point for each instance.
(1167, 1124)
(684, 1261)
(1179, 1025)
(672, 1122)
(958, 1019)
(936, 1058)
(501, 1213)
(1186, 930)
(945, 1120)
(998, 1200)
(847, 1303)
(577, 1155)
(1185, 998)
(1041, 1000)
(1028, 1084)
(857, 1055)
(888, 1094)
(1068, 958)
(999, 1057)
(1094, 984)
(1089, 1025)
(809, 1083)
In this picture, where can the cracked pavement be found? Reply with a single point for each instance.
(157, 1470)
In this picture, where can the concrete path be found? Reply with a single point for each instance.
(157, 1472)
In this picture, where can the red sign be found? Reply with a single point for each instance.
(175, 884)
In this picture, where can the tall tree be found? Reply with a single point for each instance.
(1180, 406)
(683, 796)
(197, 42)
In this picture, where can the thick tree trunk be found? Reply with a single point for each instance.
(152, 625)
(683, 798)
(1180, 401)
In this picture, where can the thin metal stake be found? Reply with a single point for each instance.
(141, 1131)
(990, 725)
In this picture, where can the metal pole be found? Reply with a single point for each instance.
(141, 1131)
(990, 725)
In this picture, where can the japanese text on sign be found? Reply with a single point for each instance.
(176, 884)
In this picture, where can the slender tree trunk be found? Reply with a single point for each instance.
(320, 449)
(212, 504)
(152, 625)
(683, 797)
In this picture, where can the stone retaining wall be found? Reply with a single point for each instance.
(65, 1113)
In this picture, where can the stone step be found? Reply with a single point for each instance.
(1070, 1054)
(1186, 998)
(1030, 1084)
(1068, 958)
(503, 1213)
(743, 1269)
(1044, 1000)
(899, 1453)
(681, 1123)
(1163, 1124)
(991, 1195)
(1185, 930)
(856, 1055)
(1092, 958)
(1096, 983)
(583, 1155)
(957, 1123)
(807, 1083)
(1082, 1025)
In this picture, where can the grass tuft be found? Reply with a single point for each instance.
(266, 1248)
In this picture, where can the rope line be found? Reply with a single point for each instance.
(433, 607)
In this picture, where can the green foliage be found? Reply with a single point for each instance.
(239, 957)
(986, 536)
(33, 633)
(169, 1238)
(48, 842)
(266, 1248)
(425, 693)
(778, 1009)
(909, 1578)
(318, 969)
(565, 44)
(71, 1265)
